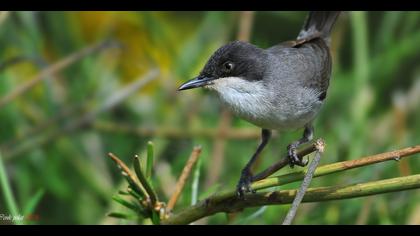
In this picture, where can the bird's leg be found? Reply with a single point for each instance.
(244, 184)
(291, 149)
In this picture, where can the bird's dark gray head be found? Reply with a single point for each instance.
(236, 59)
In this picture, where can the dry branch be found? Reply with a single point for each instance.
(195, 154)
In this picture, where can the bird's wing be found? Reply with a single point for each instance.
(311, 62)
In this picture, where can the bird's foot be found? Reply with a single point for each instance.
(244, 184)
(293, 157)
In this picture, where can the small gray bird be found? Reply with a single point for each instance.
(279, 88)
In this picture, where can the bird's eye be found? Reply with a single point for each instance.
(228, 66)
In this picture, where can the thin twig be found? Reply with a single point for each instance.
(54, 68)
(195, 154)
(305, 183)
(129, 176)
(215, 204)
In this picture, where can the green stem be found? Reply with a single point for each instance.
(336, 167)
(215, 204)
(229, 196)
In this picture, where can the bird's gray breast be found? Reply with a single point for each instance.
(267, 105)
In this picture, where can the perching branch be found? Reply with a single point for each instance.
(336, 167)
(284, 162)
(228, 202)
(217, 204)
(129, 176)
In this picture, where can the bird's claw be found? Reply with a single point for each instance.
(244, 184)
(293, 157)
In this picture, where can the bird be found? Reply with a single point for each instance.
(281, 88)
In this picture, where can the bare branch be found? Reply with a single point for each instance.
(195, 154)
(129, 176)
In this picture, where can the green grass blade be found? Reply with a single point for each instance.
(121, 192)
(155, 218)
(149, 164)
(131, 205)
(7, 192)
(123, 216)
(30, 206)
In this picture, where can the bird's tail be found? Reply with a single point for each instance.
(318, 24)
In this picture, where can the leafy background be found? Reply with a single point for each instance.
(55, 157)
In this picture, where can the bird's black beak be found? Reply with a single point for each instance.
(200, 81)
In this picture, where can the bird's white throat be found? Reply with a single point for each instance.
(247, 99)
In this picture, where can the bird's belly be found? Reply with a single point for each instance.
(266, 115)
(279, 120)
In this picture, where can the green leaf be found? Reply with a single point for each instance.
(125, 203)
(134, 194)
(33, 202)
(143, 181)
(155, 218)
(123, 192)
(135, 186)
(138, 209)
(123, 216)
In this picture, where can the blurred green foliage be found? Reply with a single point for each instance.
(372, 107)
